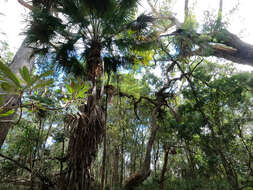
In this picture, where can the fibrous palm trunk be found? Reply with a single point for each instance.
(116, 167)
(83, 145)
(89, 130)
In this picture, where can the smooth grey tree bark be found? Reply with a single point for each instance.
(22, 58)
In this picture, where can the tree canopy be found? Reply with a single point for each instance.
(103, 96)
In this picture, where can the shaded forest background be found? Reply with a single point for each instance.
(100, 96)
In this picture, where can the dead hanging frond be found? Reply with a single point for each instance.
(83, 145)
(110, 91)
(141, 23)
(25, 4)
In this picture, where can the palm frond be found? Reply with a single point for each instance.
(91, 20)
(43, 27)
(123, 14)
(113, 63)
(125, 5)
(67, 60)
(74, 11)
(141, 22)
(126, 44)
(100, 8)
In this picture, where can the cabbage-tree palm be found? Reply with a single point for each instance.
(87, 38)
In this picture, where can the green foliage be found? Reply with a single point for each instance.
(84, 22)
(10, 112)
(209, 142)
(213, 23)
(9, 74)
(66, 59)
(131, 86)
(43, 26)
(77, 88)
(26, 75)
(5, 53)
(12, 84)
(190, 23)
(9, 87)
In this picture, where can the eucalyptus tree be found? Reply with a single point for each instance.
(87, 38)
(23, 57)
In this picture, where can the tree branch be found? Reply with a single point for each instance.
(186, 9)
(173, 19)
(25, 4)
(233, 49)
(227, 45)
(16, 163)
(136, 102)
(220, 10)
(44, 179)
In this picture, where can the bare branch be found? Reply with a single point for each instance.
(136, 102)
(173, 19)
(220, 8)
(25, 4)
(153, 8)
(174, 113)
(186, 9)
(16, 162)
(44, 179)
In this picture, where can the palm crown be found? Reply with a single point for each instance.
(78, 32)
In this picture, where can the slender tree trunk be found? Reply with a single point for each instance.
(103, 165)
(116, 167)
(122, 147)
(133, 162)
(21, 59)
(186, 10)
(122, 163)
(164, 169)
(156, 157)
(190, 158)
(133, 181)
(103, 177)
(142, 148)
(230, 172)
(104, 171)
(220, 9)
